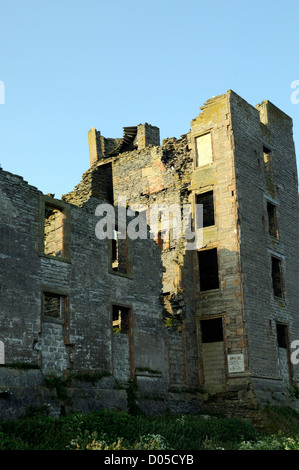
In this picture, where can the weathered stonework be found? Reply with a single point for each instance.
(218, 319)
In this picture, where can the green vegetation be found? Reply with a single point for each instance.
(106, 429)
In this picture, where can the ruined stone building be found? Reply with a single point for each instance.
(217, 319)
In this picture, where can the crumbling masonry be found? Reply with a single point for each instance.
(181, 325)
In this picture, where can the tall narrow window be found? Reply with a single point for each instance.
(272, 219)
(204, 155)
(277, 281)
(207, 201)
(53, 231)
(282, 333)
(268, 167)
(268, 162)
(208, 269)
(119, 253)
(120, 319)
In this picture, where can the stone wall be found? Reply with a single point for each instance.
(255, 128)
(217, 175)
(78, 335)
(203, 318)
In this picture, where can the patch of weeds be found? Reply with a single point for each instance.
(59, 385)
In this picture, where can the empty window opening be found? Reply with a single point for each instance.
(207, 201)
(282, 336)
(53, 231)
(272, 220)
(208, 269)
(102, 183)
(277, 277)
(54, 305)
(268, 162)
(211, 330)
(120, 319)
(119, 253)
(268, 168)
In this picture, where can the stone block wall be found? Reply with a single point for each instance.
(255, 128)
(214, 172)
(221, 316)
(78, 335)
(159, 177)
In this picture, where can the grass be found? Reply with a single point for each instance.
(107, 429)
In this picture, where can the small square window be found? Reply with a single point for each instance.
(211, 330)
(53, 305)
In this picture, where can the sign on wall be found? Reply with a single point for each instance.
(235, 363)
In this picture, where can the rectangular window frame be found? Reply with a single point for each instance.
(216, 282)
(197, 164)
(199, 199)
(64, 305)
(278, 293)
(113, 244)
(272, 224)
(47, 201)
(121, 315)
(282, 335)
(215, 336)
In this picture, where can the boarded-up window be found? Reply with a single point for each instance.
(120, 319)
(277, 281)
(213, 351)
(207, 201)
(208, 269)
(204, 155)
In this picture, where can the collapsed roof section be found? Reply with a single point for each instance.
(127, 143)
(134, 137)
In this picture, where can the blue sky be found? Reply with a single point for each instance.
(70, 65)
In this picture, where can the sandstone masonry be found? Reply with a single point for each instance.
(219, 319)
